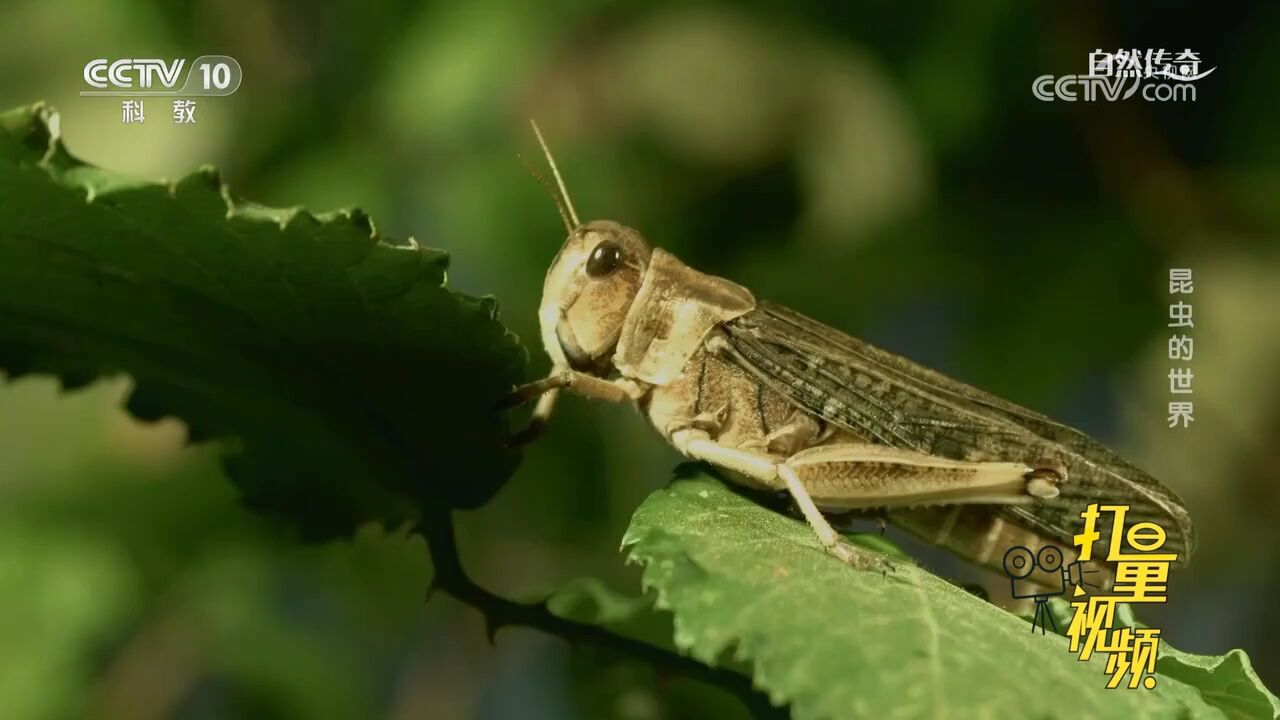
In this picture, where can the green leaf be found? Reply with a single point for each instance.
(589, 600)
(836, 642)
(1226, 682)
(352, 384)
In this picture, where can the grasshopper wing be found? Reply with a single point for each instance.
(888, 399)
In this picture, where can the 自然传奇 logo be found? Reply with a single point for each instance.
(1156, 75)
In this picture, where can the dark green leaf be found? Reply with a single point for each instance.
(352, 384)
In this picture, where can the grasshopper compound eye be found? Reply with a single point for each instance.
(604, 259)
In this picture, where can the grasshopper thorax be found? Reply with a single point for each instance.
(589, 289)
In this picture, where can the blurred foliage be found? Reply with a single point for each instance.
(135, 586)
(882, 168)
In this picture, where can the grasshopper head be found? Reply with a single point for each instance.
(587, 293)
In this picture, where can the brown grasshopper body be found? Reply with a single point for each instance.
(784, 403)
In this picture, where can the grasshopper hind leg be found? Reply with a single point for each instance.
(830, 539)
(858, 476)
(770, 472)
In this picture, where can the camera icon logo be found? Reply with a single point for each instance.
(1020, 563)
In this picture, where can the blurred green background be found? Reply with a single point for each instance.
(885, 169)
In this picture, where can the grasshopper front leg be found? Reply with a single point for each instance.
(548, 389)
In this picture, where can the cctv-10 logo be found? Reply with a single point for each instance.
(207, 75)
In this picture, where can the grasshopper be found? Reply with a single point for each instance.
(784, 403)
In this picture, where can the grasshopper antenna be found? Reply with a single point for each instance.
(555, 171)
(546, 185)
